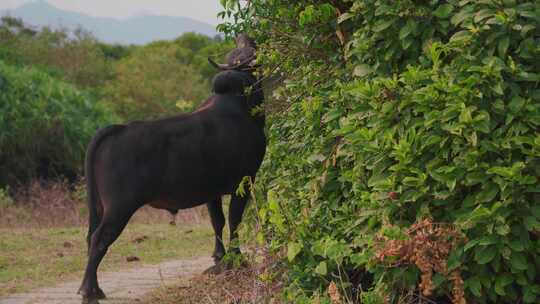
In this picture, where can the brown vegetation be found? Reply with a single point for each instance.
(427, 246)
(45, 204)
(257, 282)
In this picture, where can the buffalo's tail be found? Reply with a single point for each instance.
(94, 217)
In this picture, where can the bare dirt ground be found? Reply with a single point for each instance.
(121, 287)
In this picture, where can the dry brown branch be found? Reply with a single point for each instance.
(427, 246)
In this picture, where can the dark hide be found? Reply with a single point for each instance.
(232, 82)
(174, 163)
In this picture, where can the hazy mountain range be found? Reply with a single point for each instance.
(134, 30)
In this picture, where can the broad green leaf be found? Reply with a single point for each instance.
(410, 27)
(443, 11)
(293, 249)
(518, 261)
(382, 25)
(465, 116)
(477, 177)
(516, 245)
(489, 240)
(483, 14)
(321, 268)
(463, 14)
(503, 46)
(516, 104)
(461, 36)
(380, 181)
(488, 193)
(484, 254)
(529, 294)
(474, 286)
(470, 244)
(501, 281)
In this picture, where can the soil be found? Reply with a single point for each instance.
(121, 287)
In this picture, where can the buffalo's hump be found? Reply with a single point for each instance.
(232, 82)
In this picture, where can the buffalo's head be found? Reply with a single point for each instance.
(237, 77)
(240, 59)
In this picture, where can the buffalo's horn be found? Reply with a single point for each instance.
(220, 66)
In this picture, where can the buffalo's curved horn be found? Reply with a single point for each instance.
(225, 67)
(219, 66)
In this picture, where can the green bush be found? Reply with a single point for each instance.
(396, 112)
(45, 125)
(153, 82)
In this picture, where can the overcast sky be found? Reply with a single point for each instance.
(203, 10)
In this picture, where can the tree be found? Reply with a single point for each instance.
(154, 82)
(73, 56)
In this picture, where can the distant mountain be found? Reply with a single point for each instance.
(134, 30)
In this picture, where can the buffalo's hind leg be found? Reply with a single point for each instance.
(236, 211)
(215, 209)
(111, 226)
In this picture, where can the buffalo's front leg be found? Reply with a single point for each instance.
(236, 211)
(215, 209)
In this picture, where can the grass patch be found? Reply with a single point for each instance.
(32, 258)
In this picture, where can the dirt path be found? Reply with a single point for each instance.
(121, 287)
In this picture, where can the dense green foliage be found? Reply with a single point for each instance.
(393, 112)
(45, 125)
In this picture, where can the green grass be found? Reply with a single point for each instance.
(31, 258)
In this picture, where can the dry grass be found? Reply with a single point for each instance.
(257, 283)
(58, 204)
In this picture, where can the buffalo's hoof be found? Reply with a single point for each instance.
(91, 297)
(216, 269)
(89, 301)
(218, 258)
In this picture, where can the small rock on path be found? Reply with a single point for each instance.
(121, 287)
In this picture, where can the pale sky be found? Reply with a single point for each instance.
(203, 10)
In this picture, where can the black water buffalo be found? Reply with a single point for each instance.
(178, 162)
